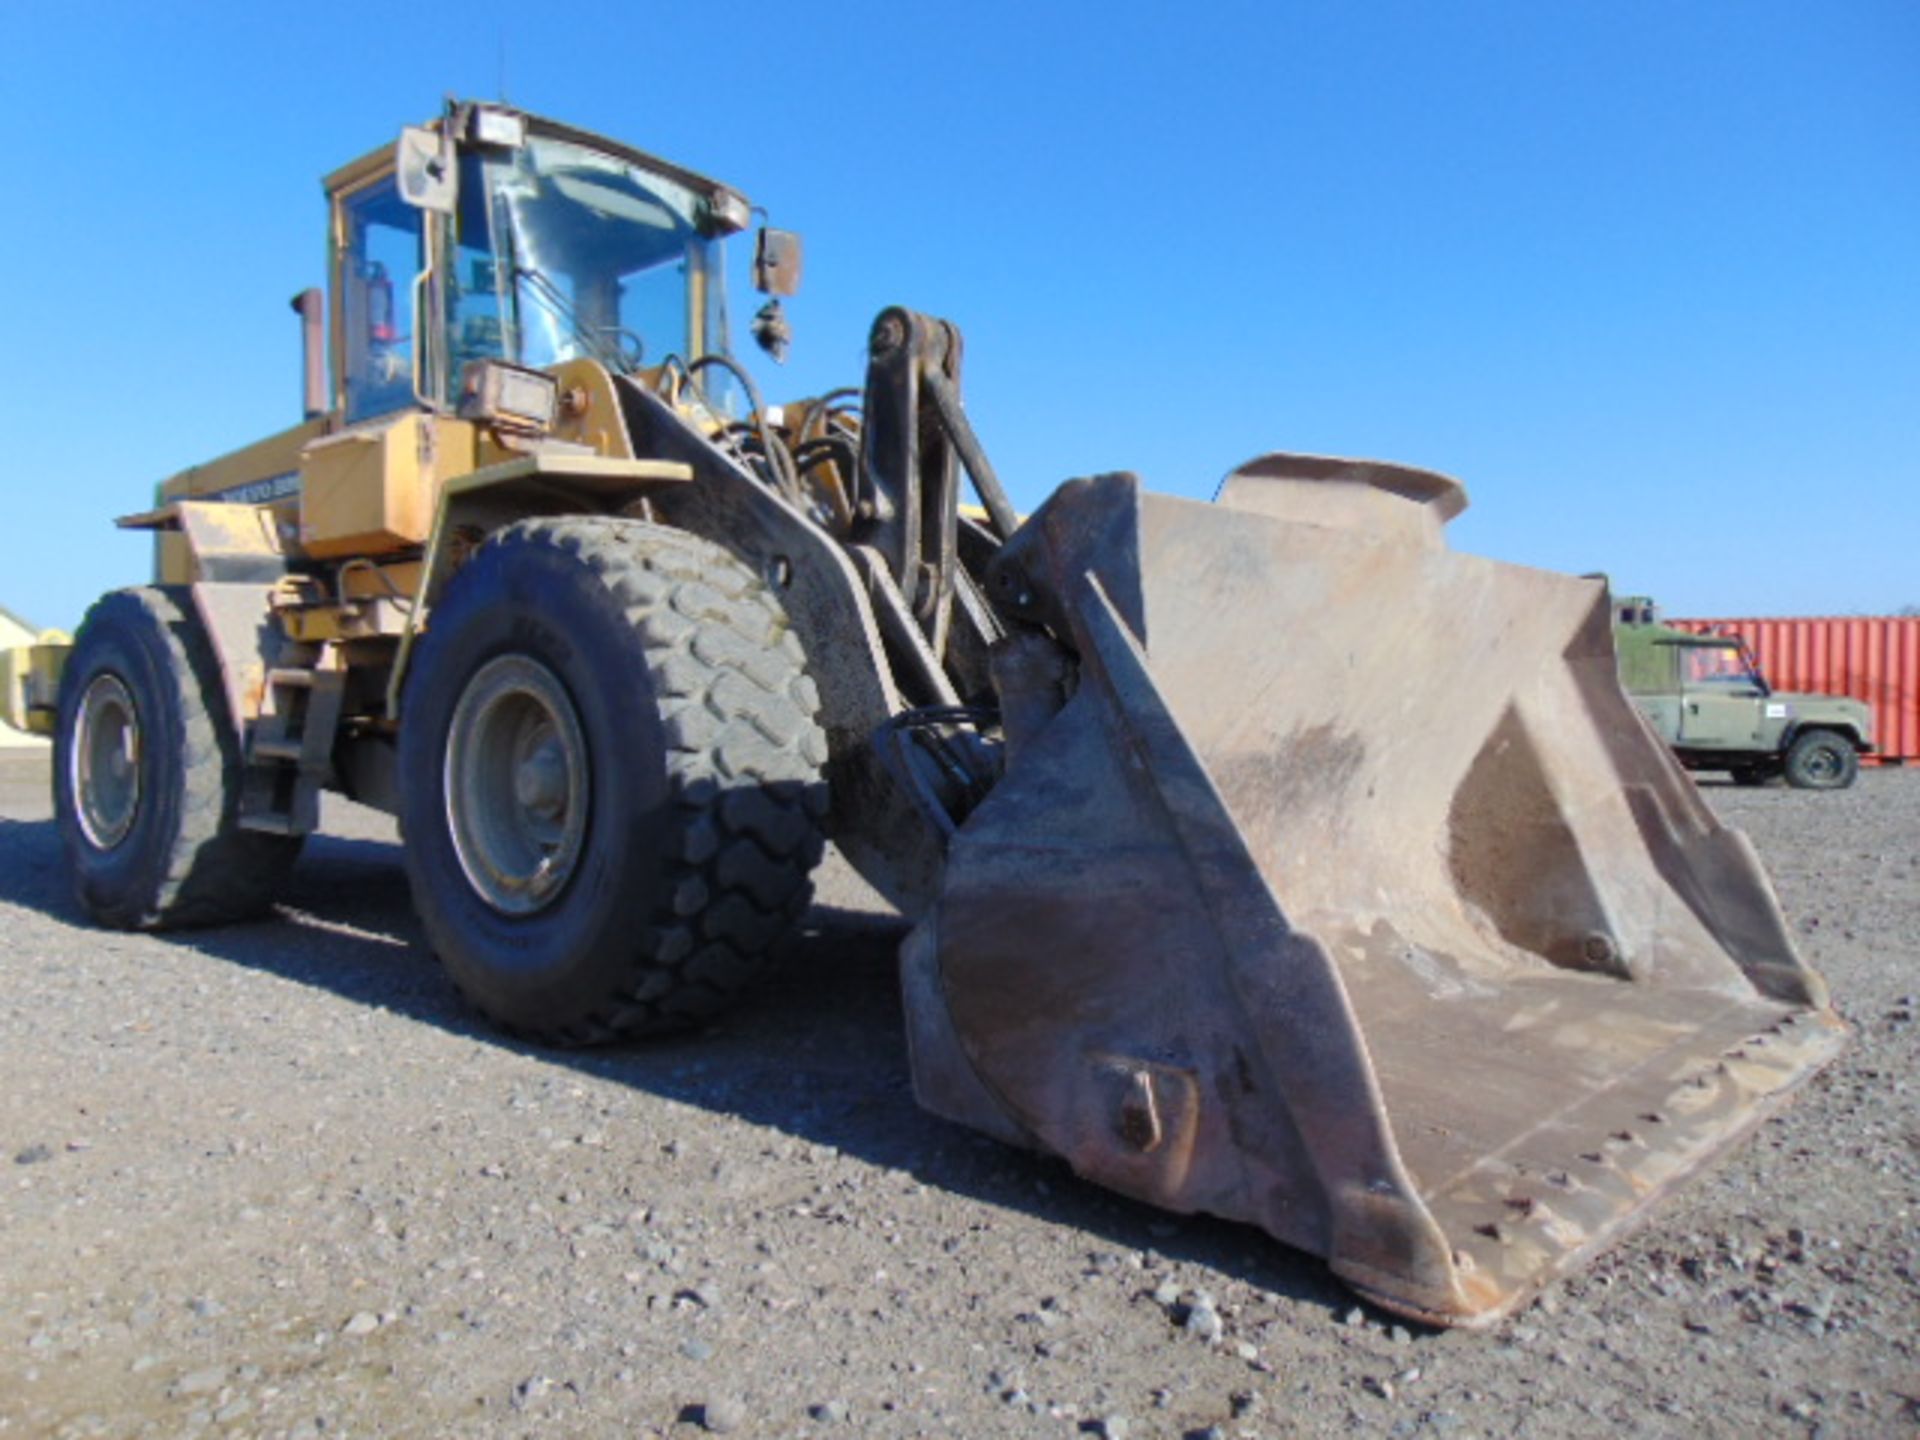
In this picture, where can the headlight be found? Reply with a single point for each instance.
(509, 397)
(731, 210)
(499, 127)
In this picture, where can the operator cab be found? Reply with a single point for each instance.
(496, 235)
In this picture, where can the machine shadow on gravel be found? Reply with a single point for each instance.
(816, 1050)
(31, 874)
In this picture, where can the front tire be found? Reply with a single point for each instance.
(611, 779)
(1822, 760)
(146, 774)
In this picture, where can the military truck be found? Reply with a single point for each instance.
(1709, 701)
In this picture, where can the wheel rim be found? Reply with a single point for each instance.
(516, 785)
(105, 762)
(1822, 763)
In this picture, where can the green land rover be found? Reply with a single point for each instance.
(1706, 696)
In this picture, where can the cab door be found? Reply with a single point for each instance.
(379, 256)
(1720, 699)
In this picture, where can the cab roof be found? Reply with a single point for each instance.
(375, 161)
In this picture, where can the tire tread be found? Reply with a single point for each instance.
(213, 873)
(735, 703)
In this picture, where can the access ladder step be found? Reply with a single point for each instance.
(271, 822)
(290, 750)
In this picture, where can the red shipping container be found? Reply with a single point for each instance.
(1872, 658)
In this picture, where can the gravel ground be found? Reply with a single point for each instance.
(276, 1180)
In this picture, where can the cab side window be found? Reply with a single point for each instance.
(381, 256)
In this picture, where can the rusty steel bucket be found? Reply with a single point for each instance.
(1334, 886)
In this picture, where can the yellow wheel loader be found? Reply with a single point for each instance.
(1263, 857)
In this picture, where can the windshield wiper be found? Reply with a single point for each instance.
(606, 347)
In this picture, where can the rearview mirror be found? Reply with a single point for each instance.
(424, 165)
(776, 262)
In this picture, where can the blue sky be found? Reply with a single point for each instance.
(1641, 275)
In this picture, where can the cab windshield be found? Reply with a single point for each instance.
(559, 252)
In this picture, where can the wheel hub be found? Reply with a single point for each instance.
(104, 767)
(516, 784)
(540, 780)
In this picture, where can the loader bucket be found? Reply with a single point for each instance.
(1347, 895)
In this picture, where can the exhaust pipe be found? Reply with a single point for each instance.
(309, 304)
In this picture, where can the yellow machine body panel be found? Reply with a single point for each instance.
(372, 491)
(265, 472)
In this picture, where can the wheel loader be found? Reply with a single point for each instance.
(1262, 857)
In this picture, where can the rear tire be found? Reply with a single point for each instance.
(146, 774)
(1822, 760)
(611, 788)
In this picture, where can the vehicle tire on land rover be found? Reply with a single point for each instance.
(611, 778)
(1822, 760)
(146, 778)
